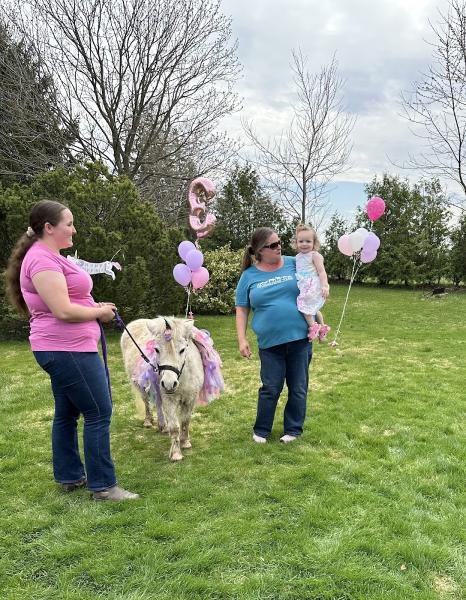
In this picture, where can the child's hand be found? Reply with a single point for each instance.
(325, 291)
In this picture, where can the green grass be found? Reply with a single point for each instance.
(369, 504)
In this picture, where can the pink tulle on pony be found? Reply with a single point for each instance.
(148, 380)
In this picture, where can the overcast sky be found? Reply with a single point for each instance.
(381, 46)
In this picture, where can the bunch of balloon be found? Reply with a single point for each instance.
(191, 274)
(361, 245)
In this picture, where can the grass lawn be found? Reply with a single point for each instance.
(370, 503)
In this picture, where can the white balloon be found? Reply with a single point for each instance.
(364, 233)
(357, 238)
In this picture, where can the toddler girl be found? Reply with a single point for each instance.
(312, 281)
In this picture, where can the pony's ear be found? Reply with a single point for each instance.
(188, 329)
(154, 326)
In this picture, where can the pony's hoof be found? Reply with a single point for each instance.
(176, 456)
(147, 423)
(186, 444)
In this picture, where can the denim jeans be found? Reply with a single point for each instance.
(285, 362)
(79, 386)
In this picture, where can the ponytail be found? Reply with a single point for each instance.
(13, 287)
(46, 211)
(258, 240)
(247, 258)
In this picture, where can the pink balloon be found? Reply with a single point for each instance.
(375, 208)
(371, 243)
(344, 245)
(194, 259)
(367, 257)
(182, 274)
(200, 278)
(184, 248)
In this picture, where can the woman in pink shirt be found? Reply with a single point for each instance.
(56, 294)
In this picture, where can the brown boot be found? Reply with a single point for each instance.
(114, 493)
(70, 487)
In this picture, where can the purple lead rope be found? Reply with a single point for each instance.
(103, 343)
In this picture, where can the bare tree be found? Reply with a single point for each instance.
(162, 179)
(436, 108)
(315, 147)
(137, 75)
(32, 135)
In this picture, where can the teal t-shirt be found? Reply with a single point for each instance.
(272, 298)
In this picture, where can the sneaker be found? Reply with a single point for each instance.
(323, 332)
(258, 439)
(286, 439)
(313, 331)
(114, 493)
(70, 487)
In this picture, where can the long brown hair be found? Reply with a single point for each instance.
(258, 240)
(46, 211)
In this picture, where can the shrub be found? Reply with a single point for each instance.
(218, 296)
(110, 218)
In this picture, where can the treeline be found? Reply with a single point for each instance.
(117, 128)
(420, 242)
(421, 245)
(111, 220)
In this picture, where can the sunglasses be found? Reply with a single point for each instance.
(273, 245)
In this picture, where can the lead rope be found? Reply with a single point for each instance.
(121, 325)
(103, 343)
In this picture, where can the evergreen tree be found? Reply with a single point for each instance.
(111, 220)
(458, 252)
(32, 136)
(337, 265)
(413, 231)
(432, 226)
(241, 207)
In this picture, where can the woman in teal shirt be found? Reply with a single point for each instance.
(268, 287)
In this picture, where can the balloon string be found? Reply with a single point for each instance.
(353, 275)
(188, 305)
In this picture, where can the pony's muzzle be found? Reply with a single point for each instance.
(169, 386)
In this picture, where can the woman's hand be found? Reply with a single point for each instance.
(325, 291)
(242, 313)
(108, 310)
(244, 349)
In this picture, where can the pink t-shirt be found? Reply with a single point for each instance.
(48, 332)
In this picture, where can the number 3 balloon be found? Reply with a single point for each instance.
(204, 186)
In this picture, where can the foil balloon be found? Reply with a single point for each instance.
(201, 221)
(95, 268)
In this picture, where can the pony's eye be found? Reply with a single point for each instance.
(182, 350)
(157, 350)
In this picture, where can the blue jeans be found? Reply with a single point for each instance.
(285, 362)
(79, 386)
